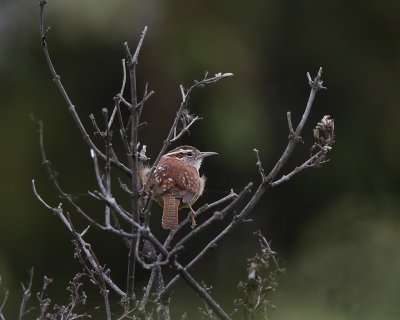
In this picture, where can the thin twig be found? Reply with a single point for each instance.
(290, 125)
(70, 105)
(44, 302)
(26, 294)
(199, 211)
(185, 129)
(3, 303)
(68, 197)
(218, 215)
(267, 245)
(305, 165)
(58, 211)
(120, 95)
(315, 85)
(209, 246)
(108, 147)
(148, 288)
(108, 198)
(201, 291)
(259, 165)
(95, 276)
(146, 96)
(96, 127)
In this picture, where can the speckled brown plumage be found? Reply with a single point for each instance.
(176, 183)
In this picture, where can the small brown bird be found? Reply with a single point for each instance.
(176, 182)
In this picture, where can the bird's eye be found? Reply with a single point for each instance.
(189, 153)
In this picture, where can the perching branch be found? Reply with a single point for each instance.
(209, 246)
(218, 215)
(199, 211)
(241, 216)
(181, 117)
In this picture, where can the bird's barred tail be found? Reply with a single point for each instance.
(170, 213)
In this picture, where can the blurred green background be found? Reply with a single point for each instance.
(337, 228)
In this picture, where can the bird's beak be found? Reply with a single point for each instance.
(207, 154)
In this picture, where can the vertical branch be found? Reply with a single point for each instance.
(107, 139)
(131, 62)
(25, 296)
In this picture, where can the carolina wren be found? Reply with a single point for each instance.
(176, 182)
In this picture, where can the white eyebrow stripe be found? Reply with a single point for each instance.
(178, 151)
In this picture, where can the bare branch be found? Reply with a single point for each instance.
(260, 167)
(218, 215)
(120, 95)
(310, 163)
(61, 89)
(209, 246)
(199, 211)
(122, 99)
(76, 298)
(184, 129)
(95, 277)
(96, 127)
(3, 303)
(68, 197)
(44, 303)
(108, 149)
(315, 85)
(131, 62)
(185, 99)
(146, 96)
(98, 174)
(58, 211)
(26, 294)
(201, 291)
(121, 92)
(324, 134)
(290, 125)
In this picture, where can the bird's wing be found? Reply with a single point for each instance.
(178, 182)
